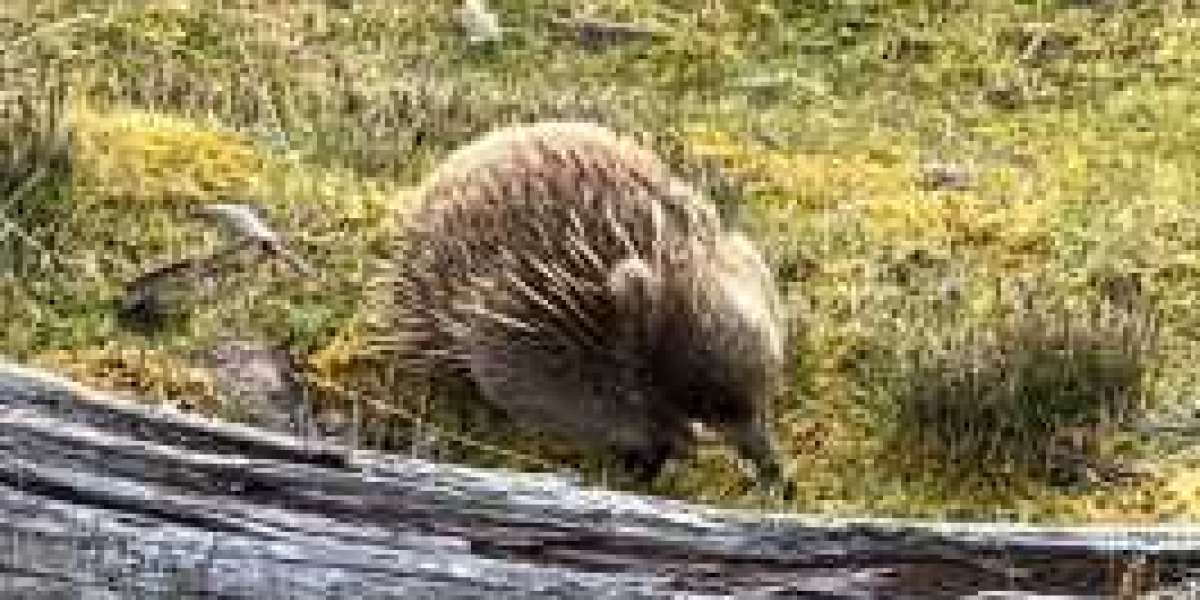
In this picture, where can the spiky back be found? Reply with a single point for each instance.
(513, 238)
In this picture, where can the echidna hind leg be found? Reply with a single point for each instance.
(424, 438)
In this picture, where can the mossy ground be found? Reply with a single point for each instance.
(1072, 123)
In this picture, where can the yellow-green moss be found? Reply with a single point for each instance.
(807, 180)
(141, 159)
(153, 375)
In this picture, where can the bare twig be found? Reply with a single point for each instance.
(246, 222)
(143, 303)
(593, 31)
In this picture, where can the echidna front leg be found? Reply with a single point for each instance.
(755, 443)
(644, 464)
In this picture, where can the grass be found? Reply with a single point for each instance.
(813, 126)
(1004, 393)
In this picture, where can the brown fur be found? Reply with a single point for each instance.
(583, 289)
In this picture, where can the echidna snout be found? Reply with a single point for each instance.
(633, 283)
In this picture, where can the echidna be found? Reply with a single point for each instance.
(563, 271)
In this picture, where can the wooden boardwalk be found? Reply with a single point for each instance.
(101, 498)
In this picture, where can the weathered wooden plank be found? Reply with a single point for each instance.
(102, 498)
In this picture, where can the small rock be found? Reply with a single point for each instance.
(1004, 95)
(478, 22)
(946, 176)
(260, 380)
(950, 291)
